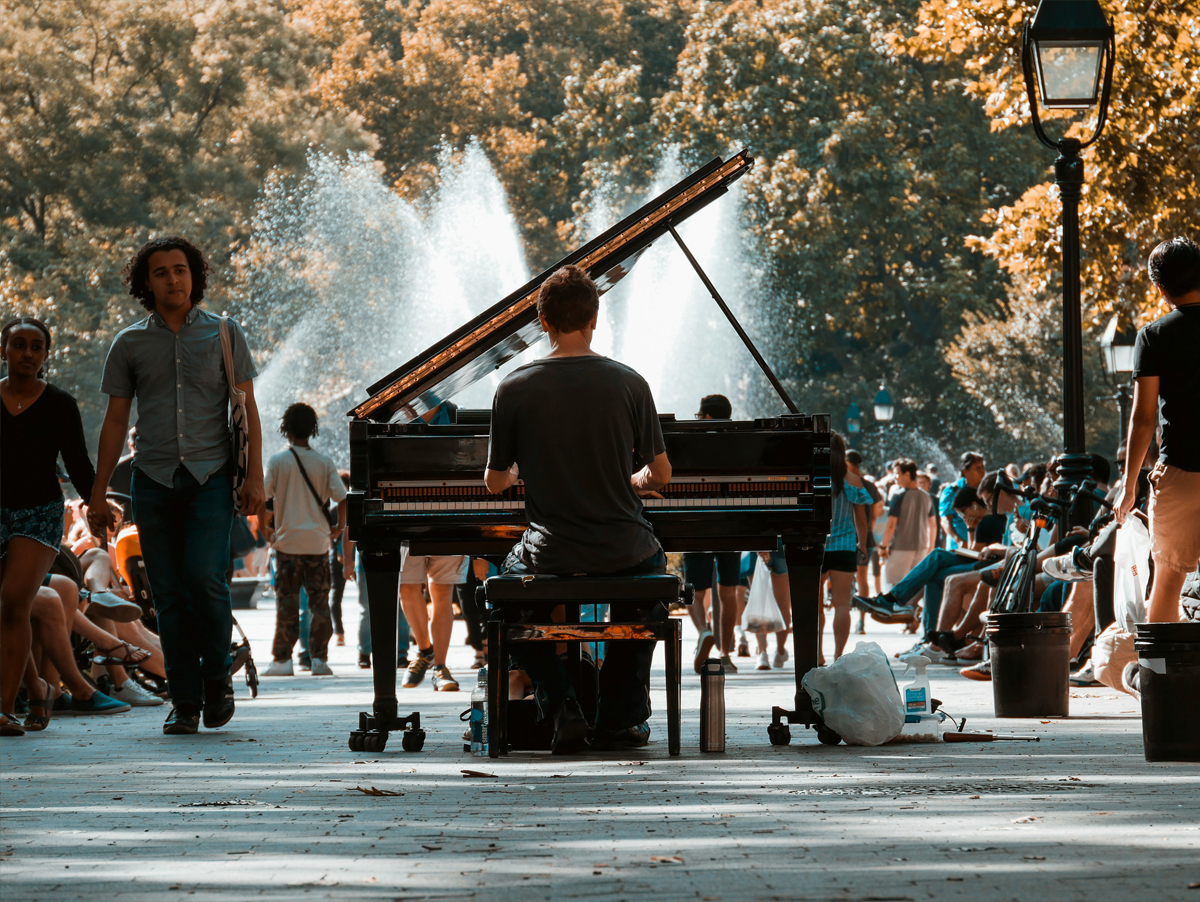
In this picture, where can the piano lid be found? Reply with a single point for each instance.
(501, 333)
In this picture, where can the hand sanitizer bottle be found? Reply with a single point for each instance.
(916, 693)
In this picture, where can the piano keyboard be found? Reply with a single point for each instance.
(678, 503)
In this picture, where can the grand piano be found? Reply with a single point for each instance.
(737, 485)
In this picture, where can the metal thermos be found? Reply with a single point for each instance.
(712, 706)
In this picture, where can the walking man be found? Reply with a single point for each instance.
(172, 363)
(300, 483)
(1167, 389)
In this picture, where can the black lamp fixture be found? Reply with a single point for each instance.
(1070, 44)
(854, 418)
(1116, 347)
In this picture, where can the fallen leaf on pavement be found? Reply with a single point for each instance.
(476, 773)
(1026, 820)
(667, 859)
(375, 792)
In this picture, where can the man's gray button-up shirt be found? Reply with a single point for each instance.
(178, 379)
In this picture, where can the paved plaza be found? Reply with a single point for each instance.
(273, 806)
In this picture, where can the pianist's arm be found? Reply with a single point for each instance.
(499, 480)
(653, 476)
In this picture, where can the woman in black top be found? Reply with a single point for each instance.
(38, 422)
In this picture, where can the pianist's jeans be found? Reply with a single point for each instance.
(625, 676)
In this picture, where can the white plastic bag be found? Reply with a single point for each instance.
(762, 610)
(857, 696)
(1131, 561)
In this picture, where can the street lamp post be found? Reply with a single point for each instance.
(853, 419)
(1116, 347)
(1070, 45)
(884, 411)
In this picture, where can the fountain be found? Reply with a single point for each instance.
(350, 280)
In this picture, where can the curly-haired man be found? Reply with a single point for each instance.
(172, 362)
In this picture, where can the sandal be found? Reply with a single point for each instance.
(10, 725)
(35, 723)
(131, 654)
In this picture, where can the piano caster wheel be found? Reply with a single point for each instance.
(828, 736)
(368, 742)
(779, 733)
(357, 741)
(412, 740)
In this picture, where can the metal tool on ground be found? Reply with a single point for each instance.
(988, 737)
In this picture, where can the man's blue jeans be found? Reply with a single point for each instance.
(930, 574)
(184, 534)
(625, 676)
(364, 622)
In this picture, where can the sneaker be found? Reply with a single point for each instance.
(936, 655)
(570, 728)
(364, 661)
(884, 605)
(443, 681)
(861, 629)
(729, 666)
(781, 658)
(743, 649)
(279, 668)
(113, 607)
(133, 694)
(704, 645)
(341, 639)
(320, 668)
(1085, 676)
(981, 671)
(764, 662)
(1131, 679)
(628, 738)
(416, 671)
(918, 649)
(99, 703)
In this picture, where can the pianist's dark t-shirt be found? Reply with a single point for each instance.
(577, 427)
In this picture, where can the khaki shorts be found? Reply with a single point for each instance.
(1175, 517)
(439, 569)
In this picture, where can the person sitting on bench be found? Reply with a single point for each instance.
(573, 426)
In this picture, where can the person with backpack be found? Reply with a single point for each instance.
(300, 483)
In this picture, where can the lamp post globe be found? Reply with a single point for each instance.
(884, 408)
(1067, 54)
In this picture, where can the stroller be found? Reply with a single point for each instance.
(129, 567)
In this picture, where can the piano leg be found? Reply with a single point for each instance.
(382, 571)
(804, 580)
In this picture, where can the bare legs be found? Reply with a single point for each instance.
(425, 632)
(22, 570)
(841, 586)
(1164, 594)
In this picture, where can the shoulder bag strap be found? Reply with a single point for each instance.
(227, 353)
(317, 498)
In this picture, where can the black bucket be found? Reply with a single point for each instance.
(1031, 664)
(1169, 665)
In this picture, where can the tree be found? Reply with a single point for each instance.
(123, 119)
(873, 170)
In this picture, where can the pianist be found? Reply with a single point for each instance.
(574, 425)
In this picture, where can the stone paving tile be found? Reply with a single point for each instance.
(268, 806)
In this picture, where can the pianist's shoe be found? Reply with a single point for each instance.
(570, 728)
(629, 738)
(884, 605)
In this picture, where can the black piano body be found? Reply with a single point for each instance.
(736, 485)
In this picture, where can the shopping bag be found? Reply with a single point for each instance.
(1111, 652)
(1131, 573)
(857, 696)
(762, 610)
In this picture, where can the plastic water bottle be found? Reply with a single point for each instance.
(479, 726)
(916, 693)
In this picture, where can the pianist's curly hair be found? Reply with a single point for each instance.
(299, 421)
(137, 270)
(568, 300)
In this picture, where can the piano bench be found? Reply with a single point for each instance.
(521, 608)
